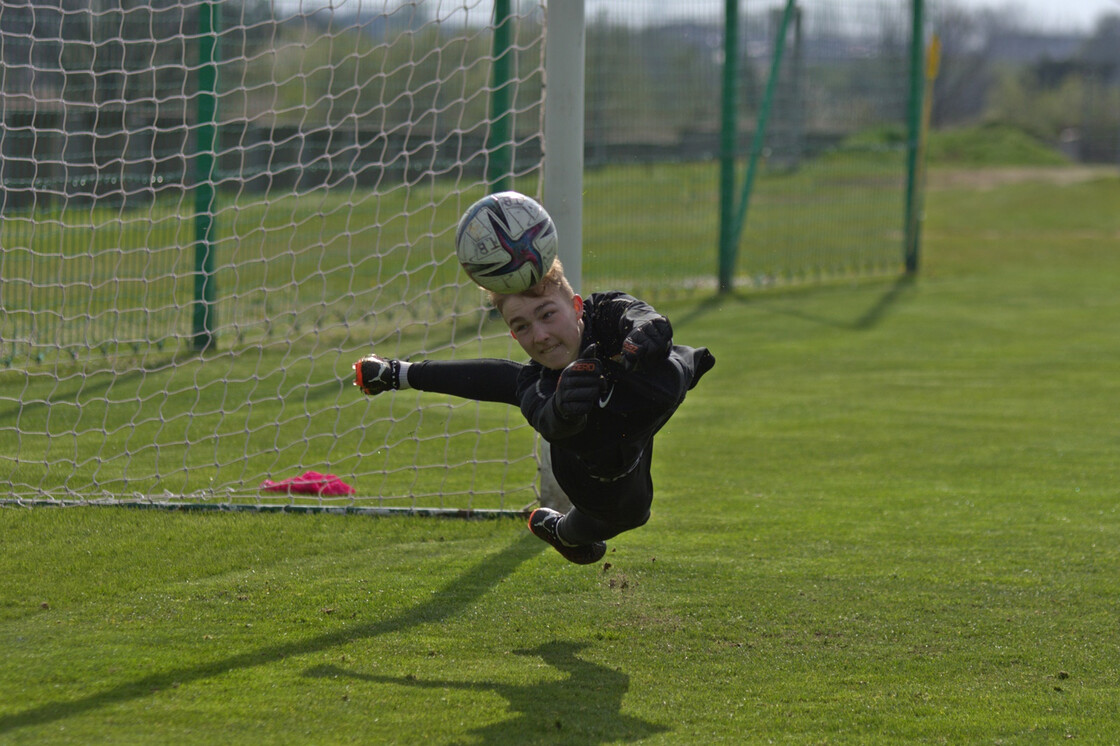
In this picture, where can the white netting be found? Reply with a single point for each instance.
(305, 221)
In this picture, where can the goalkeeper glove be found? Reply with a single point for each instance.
(374, 374)
(647, 340)
(578, 388)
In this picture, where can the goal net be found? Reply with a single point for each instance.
(827, 119)
(212, 209)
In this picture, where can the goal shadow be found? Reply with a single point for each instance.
(894, 293)
(453, 598)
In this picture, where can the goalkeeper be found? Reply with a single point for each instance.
(604, 377)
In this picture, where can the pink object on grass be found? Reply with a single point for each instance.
(310, 483)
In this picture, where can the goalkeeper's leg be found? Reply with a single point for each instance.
(603, 509)
(578, 527)
(579, 537)
(545, 525)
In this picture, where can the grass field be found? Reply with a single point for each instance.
(889, 515)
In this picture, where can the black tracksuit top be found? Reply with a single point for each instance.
(593, 453)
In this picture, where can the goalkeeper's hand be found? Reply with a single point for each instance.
(578, 388)
(648, 340)
(374, 374)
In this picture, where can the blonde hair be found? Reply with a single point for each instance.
(554, 279)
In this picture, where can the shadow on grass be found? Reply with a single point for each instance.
(445, 603)
(585, 706)
(71, 393)
(871, 317)
(895, 292)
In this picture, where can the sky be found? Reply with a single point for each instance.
(1062, 14)
(1059, 15)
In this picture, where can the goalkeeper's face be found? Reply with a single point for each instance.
(548, 327)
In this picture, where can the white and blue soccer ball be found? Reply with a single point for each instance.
(506, 242)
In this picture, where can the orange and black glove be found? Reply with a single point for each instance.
(374, 374)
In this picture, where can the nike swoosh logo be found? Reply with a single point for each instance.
(603, 402)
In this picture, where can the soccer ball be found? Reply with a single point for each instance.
(506, 242)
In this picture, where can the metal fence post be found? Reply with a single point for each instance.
(728, 132)
(499, 158)
(914, 116)
(205, 288)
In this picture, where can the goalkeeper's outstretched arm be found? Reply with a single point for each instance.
(486, 379)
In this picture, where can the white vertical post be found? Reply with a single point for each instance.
(563, 130)
(565, 45)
